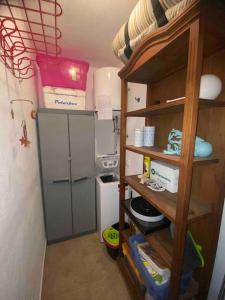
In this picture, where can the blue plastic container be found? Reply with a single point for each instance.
(158, 292)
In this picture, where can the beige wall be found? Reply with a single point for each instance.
(89, 105)
(22, 236)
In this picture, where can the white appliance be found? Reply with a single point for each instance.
(107, 135)
(107, 192)
(107, 85)
(63, 98)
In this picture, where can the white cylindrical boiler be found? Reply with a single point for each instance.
(107, 85)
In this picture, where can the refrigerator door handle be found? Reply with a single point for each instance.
(80, 179)
(61, 180)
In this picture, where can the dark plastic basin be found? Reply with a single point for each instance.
(108, 178)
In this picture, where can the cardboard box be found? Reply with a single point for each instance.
(62, 98)
(166, 173)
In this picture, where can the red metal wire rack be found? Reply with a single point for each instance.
(28, 27)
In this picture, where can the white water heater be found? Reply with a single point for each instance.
(107, 86)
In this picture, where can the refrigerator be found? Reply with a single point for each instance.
(67, 161)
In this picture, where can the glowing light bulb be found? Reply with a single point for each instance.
(73, 72)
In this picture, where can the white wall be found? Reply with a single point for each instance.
(219, 267)
(134, 161)
(22, 236)
(89, 89)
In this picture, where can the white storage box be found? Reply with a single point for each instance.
(63, 98)
(166, 173)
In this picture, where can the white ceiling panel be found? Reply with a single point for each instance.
(89, 26)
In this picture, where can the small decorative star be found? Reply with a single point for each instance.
(25, 142)
(22, 141)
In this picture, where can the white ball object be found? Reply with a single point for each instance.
(210, 87)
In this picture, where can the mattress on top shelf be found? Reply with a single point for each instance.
(145, 18)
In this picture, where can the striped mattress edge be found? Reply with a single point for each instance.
(146, 17)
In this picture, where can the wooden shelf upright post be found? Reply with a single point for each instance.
(194, 69)
(123, 132)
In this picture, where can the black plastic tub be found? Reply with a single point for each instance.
(109, 178)
(111, 249)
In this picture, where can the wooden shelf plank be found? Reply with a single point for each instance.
(200, 161)
(205, 103)
(157, 153)
(172, 107)
(165, 202)
(157, 109)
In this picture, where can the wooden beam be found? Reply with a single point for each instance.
(194, 70)
(123, 132)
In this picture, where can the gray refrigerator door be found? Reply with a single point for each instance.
(82, 145)
(83, 202)
(54, 150)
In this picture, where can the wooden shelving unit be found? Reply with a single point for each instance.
(171, 62)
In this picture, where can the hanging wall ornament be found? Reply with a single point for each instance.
(33, 114)
(24, 139)
(7, 84)
(12, 113)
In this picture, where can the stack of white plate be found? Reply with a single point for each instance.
(138, 137)
(149, 136)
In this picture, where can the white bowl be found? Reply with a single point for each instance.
(210, 87)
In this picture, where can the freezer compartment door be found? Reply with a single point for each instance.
(57, 208)
(83, 205)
